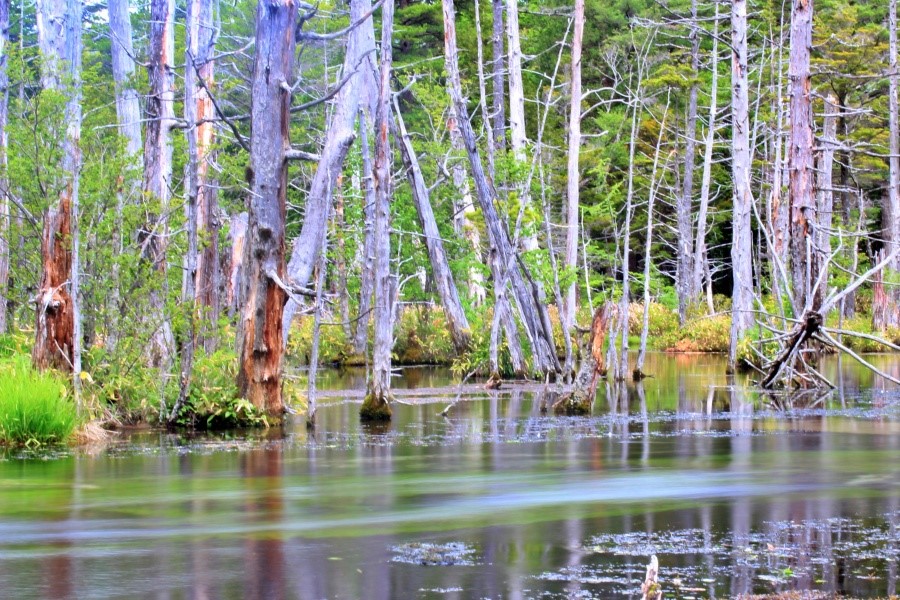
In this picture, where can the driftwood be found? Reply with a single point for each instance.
(650, 588)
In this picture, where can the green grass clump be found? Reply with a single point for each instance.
(34, 407)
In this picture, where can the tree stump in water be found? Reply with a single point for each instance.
(810, 325)
(579, 400)
(494, 381)
(650, 588)
(375, 407)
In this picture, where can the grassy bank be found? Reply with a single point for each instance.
(35, 408)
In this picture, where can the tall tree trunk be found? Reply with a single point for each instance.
(4, 180)
(158, 169)
(440, 267)
(684, 204)
(824, 187)
(377, 402)
(58, 324)
(338, 138)
(482, 93)
(804, 251)
(503, 262)
(700, 259)
(891, 211)
(128, 115)
(741, 244)
(518, 137)
(367, 273)
(208, 277)
(498, 79)
(260, 340)
(573, 172)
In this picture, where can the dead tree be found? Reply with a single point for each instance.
(57, 320)
(260, 340)
(443, 277)
(573, 179)
(376, 406)
(157, 183)
(4, 145)
(503, 261)
(338, 138)
(579, 399)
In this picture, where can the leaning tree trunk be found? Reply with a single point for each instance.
(573, 179)
(158, 170)
(804, 248)
(376, 406)
(338, 138)
(260, 340)
(890, 312)
(503, 260)
(4, 181)
(440, 267)
(741, 244)
(684, 204)
(57, 327)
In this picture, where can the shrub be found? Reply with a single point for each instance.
(710, 334)
(34, 407)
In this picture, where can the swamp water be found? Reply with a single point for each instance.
(734, 492)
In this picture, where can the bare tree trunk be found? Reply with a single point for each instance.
(700, 259)
(367, 274)
(207, 289)
(260, 340)
(340, 235)
(158, 169)
(498, 78)
(891, 212)
(684, 204)
(621, 366)
(128, 114)
(804, 251)
(741, 250)
(824, 191)
(440, 267)
(4, 180)
(482, 94)
(503, 262)
(237, 237)
(517, 134)
(58, 323)
(338, 138)
(376, 405)
(573, 180)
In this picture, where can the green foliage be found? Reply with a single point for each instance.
(34, 407)
(212, 402)
(704, 334)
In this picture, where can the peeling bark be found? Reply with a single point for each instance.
(260, 340)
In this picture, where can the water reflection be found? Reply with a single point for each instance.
(733, 497)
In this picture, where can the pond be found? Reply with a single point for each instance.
(734, 492)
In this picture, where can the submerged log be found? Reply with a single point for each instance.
(803, 331)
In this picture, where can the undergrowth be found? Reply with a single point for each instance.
(35, 408)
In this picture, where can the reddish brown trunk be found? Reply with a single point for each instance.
(55, 325)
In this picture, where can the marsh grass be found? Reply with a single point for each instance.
(34, 407)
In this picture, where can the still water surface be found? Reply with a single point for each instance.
(734, 492)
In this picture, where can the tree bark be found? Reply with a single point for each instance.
(518, 137)
(367, 273)
(498, 78)
(804, 249)
(482, 94)
(741, 245)
(338, 138)
(891, 214)
(158, 169)
(502, 259)
(440, 267)
(700, 260)
(824, 187)
(208, 277)
(58, 323)
(4, 181)
(684, 204)
(376, 405)
(260, 340)
(573, 172)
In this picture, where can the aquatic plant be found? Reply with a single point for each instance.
(34, 407)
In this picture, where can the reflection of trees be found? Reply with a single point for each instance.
(264, 564)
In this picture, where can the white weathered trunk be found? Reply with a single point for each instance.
(377, 403)
(684, 204)
(892, 210)
(338, 137)
(482, 93)
(4, 182)
(367, 272)
(498, 79)
(824, 186)
(620, 367)
(128, 108)
(567, 312)
(700, 260)
(440, 267)
(741, 246)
